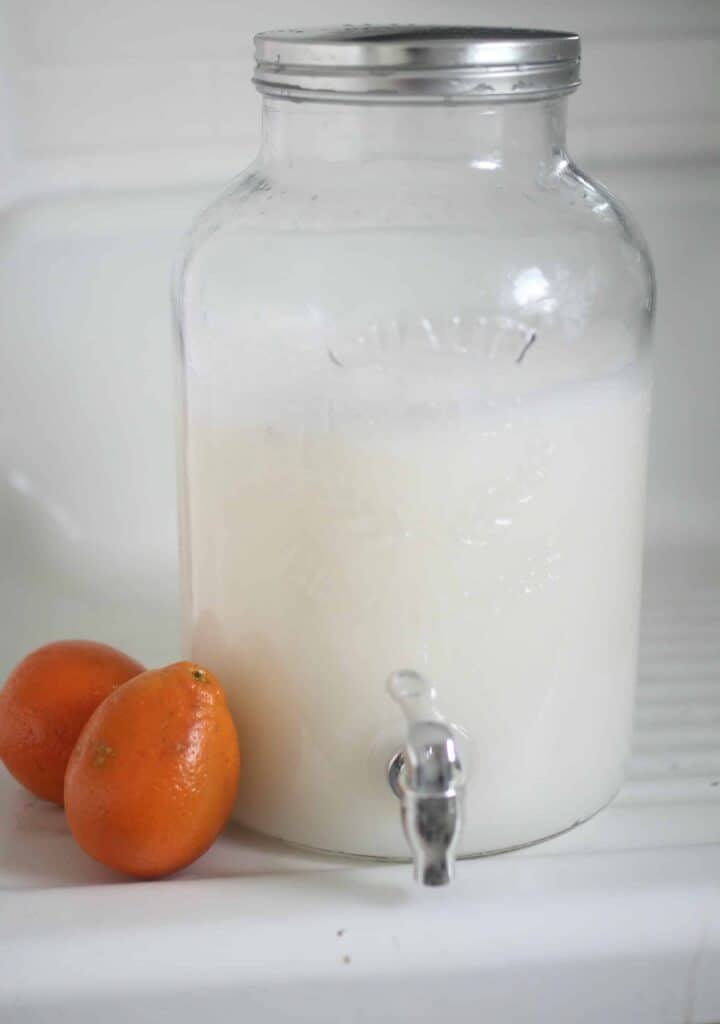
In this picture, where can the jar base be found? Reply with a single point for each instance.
(474, 855)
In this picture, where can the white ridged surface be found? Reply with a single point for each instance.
(671, 796)
(676, 755)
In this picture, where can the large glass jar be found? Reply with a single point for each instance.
(415, 339)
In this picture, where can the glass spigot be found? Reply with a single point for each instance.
(427, 777)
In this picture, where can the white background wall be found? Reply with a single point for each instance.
(112, 89)
(125, 115)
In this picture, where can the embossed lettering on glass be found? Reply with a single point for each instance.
(416, 384)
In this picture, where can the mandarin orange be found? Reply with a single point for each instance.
(46, 701)
(154, 774)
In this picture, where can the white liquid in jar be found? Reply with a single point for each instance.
(497, 553)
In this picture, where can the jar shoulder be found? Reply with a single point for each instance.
(399, 195)
(561, 232)
(607, 213)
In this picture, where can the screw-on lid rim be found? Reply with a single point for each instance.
(416, 62)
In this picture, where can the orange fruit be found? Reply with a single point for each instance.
(46, 701)
(154, 774)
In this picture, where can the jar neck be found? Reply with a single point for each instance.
(515, 136)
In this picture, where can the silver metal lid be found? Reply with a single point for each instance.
(416, 63)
